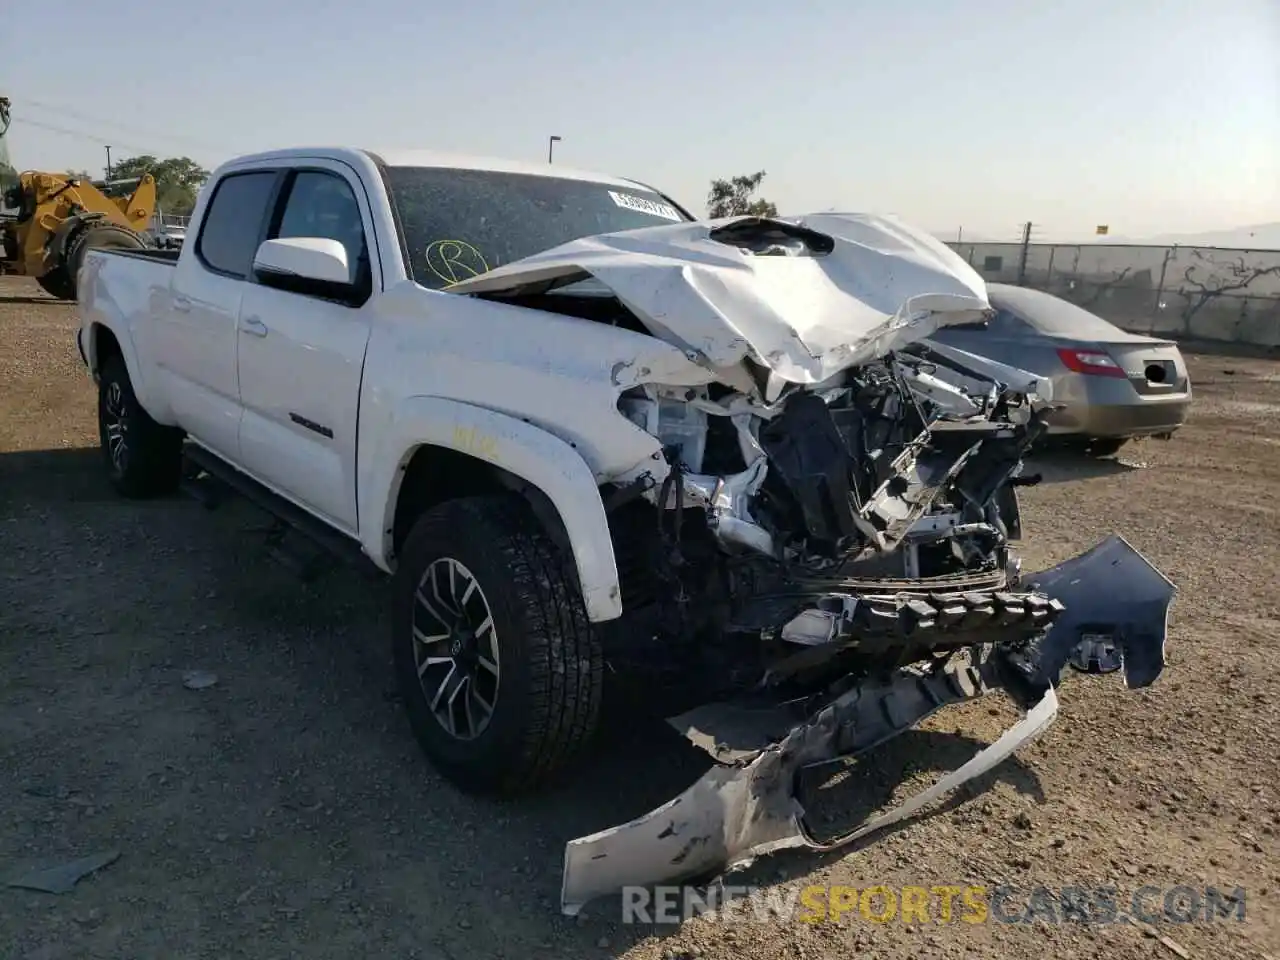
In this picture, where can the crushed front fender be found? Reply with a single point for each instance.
(746, 806)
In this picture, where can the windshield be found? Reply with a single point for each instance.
(460, 223)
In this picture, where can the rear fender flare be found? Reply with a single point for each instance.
(528, 452)
(92, 335)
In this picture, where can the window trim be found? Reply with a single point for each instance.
(402, 243)
(282, 191)
(273, 198)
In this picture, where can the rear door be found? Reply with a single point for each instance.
(193, 336)
(301, 356)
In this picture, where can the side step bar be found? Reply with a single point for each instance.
(293, 518)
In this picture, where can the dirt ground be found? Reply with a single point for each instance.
(285, 811)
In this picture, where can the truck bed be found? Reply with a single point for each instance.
(163, 256)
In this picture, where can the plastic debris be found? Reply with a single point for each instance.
(62, 878)
(199, 679)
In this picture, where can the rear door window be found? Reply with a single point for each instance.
(233, 223)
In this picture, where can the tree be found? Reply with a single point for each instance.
(732, 198)
(178, 179)
(84, 175)
(1221, 278)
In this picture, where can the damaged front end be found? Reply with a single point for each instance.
(821, 573)
(815, 543)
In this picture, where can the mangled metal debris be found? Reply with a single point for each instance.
(746, 806)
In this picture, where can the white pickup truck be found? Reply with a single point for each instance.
(588, 434)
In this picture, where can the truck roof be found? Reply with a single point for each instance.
(400, 157)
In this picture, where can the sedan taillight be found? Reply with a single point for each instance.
(1092, 362)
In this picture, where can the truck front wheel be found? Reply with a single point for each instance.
(143, 458)
(499, 668)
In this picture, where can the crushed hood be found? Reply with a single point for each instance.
(804, 297)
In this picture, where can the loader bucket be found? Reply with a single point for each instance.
(746, 805)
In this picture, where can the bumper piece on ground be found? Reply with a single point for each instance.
(746, 806)
(1116, 613)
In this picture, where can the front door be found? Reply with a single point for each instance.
(300, 357)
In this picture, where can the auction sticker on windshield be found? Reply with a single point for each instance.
(642, 205)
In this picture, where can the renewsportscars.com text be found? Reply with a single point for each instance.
(937, 903)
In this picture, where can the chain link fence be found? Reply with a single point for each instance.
(1203, 293)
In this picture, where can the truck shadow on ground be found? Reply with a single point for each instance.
(67, 475)
(1059, 466)
(305, 738)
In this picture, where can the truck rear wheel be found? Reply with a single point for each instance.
(143, 458)
(499, 668)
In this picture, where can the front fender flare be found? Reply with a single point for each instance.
(530, 453)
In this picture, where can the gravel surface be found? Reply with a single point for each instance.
(169, 695)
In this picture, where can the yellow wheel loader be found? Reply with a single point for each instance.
(49, 220)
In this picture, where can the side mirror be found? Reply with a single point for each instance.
(310, 265)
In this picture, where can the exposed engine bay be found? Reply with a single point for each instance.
(864, 523)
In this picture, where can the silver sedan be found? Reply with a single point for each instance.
(1114, 385)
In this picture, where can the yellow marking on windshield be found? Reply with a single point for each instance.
(455, 260)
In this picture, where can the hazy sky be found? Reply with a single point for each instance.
(1149, 115)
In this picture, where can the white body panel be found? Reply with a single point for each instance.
(325, 403)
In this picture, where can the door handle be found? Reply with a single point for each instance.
(181, 304)
(254, 326)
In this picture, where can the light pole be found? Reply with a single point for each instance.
(108, 161)
(551, 145)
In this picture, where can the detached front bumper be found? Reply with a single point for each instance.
(1115, 614)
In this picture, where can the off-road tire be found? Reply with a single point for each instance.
(99, 235)
(551, 665)
(152, 462)
(56, 283)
